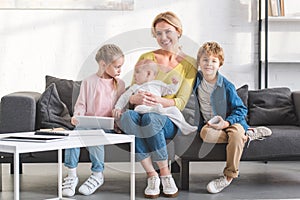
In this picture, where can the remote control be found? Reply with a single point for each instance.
(50, 133)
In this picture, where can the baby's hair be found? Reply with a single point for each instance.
(170, 18)
(147, 64)
(109, 53)
(211, 48)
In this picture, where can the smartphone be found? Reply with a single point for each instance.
(214, 120)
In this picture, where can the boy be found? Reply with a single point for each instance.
(223, 113)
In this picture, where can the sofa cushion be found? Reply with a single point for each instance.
(272, 106)
(283, 144)
(68, 90)
(51, 111)
(243, 94)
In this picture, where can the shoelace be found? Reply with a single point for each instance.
(91, 183)
(68, 182)
(221, 183)
(168, 182)
(254, 136)
(152, 182)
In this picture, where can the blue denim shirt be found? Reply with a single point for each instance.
(225, 102)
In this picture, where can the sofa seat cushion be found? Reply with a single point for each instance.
(283, 144)
(191, 147)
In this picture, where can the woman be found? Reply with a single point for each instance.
(152, 129)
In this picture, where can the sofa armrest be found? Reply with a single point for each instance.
(296, 99)
(18, 112)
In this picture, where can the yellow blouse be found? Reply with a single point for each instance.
(185, 72)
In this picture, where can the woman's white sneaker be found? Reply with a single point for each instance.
(217, 185)
(69, 186)
(152, 190)
(91, 185)
(169, 187)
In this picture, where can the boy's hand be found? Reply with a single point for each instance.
(217, 122)
(116, 113)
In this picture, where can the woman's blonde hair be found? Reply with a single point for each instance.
(211, 48)
(170, 18)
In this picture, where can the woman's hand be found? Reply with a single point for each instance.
(144, 98)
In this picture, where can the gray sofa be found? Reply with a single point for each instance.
(277, 108)
(29, 111)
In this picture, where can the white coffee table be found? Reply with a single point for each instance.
(82, 138)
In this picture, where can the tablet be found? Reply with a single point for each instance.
(106, 123)
(32, 139)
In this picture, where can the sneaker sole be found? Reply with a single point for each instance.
(171, 195)
(148, 196)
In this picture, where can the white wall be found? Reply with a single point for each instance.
(284, 52)
(62, 43)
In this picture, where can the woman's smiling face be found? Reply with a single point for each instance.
(166, 35)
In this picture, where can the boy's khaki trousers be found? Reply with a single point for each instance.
(234, 135)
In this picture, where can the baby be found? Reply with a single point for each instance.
(144, 81)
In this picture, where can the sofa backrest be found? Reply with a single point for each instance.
(296, 100)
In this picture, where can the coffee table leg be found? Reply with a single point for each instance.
(1, 185)
(132, 174)
(16, 177)
(60, 173)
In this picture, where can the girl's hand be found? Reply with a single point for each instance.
(116, 113)
(74, 121)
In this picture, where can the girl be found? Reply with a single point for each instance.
(97, 97)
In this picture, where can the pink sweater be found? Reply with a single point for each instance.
(98, 96)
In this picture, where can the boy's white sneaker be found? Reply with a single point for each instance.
(69, 186)
(91, 185)
(217, 185)
(152, 190)
(262, 131)
(169, 187)
(258, 133)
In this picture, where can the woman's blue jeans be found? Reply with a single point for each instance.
(96, 154)
(151, 131)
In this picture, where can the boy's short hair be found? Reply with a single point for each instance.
(147, 64)
(211, 48)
